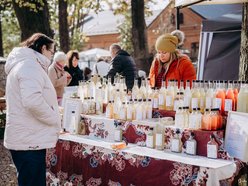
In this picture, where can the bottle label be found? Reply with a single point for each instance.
(108, 112)
(202, 102)
(192, 121)
(155, 102)
(149, 113)
(85, 108)
(175, 145)
(228, 105)
(191, 147)
(144, 113)
(217, 103)
(138, 114)
(149, 141)
(161, 99)
(168, 101)
(186, 101)
(159, 139)
(129, 113)
(179, 120)
(212, 151)
(176, 105)
(118, 135)
(208, 102)
(194, 102)
(122, 114)
(98, 106)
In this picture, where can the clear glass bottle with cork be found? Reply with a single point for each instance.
(150, 138)
(212, 148)
(191, 144)
(176, 143)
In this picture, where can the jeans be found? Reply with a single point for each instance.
(31, 167)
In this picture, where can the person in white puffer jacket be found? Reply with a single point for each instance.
(32, 122)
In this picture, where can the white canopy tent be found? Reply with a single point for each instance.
(89, 57)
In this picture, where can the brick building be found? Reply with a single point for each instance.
(102, 31)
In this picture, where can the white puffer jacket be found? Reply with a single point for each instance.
(33, 121)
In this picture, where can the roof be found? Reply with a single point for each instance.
(106, 22)
(219, 12)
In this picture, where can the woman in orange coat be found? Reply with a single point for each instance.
(169, 63)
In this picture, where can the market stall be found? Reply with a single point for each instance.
(171, 136)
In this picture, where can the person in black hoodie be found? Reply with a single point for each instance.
(123, 64)
(73, 69)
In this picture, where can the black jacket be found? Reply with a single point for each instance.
(76, 75)
(123, 64)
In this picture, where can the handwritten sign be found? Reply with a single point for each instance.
(236, 138)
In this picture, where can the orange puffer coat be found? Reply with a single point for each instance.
(180, 69)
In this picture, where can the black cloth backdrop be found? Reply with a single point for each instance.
(219, 53)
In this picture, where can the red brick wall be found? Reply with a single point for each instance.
(164, 23)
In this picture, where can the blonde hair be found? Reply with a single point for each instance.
(173, 56)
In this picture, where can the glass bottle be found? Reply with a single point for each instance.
(143, 88)
(85, 106)
(176, 143)
(109, 110)
(155, 98)
(229, 98)
(118, 133)
(209, 96)
(191, 144)
(205, 123)
(139, 113)
(161, 96)
(129, 112)
(123, 112)
(220, 95)
(150, 138)
(159, 145)
(242, 98)
(196, 95)
(186, 117)
(198, 118)
(179, 118)
(73, 125)
(135, 89)
(144, 109)
(149, 109)
(169, 99)
(214, 119)
(212, 148)
(192, 119)
(202, 96)
(178, 101)
(99, 101)
(187, 95)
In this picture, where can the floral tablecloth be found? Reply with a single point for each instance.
(78, 160)
(103, 128)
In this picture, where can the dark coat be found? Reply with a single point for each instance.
(76, 75)
(123, 64)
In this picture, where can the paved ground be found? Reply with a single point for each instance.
(7, 168)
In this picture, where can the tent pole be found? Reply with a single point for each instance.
(178, 18)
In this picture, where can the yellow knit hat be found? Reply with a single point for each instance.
(166, 43)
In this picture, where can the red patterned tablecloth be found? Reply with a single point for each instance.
(73, 163)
